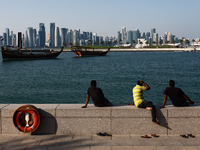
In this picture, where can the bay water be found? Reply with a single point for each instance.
(66, 78)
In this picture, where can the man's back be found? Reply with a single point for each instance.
(97, 96)
(176, 95)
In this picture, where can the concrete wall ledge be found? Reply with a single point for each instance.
(120, 119)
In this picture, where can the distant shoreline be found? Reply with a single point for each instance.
(147, 50)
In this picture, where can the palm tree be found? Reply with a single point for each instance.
(134, 43)
(109, 43)
(77, 44)
(146, 43)
(64, 44)
(102, 42)
(193, 40)
(115, 42)
(89, 42)
(82, 43)
(180, 41)
(120, 41)
(188, 42)
(160, 42)
(154, 42)
(166, 42)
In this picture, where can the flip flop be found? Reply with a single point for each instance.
(154, 135)
(145, 136)
(184, 136)
(106, 134)
(100, 134)
(190, 135)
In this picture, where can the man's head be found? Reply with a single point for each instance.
(171, 83)
(140, 82)
(93, 83)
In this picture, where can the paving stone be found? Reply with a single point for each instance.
(122, 147)
(100, 148)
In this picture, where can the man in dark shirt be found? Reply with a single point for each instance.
(97, 96)
(177, 96)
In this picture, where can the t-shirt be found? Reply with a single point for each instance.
(176, 95)
(97, 96)
(138, 94)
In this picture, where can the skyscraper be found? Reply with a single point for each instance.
(7, 37)
(130, 37)
(69, 37)
(52, 34)
(41, 35)
(123, 32)
(64, 36)
(30, 37)
(34, 38)
(152, 32)
(57, 37)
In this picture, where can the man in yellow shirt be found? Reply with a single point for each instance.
(139, 100)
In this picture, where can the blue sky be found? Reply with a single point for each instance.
(104, 17)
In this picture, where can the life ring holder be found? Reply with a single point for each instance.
(26, 109)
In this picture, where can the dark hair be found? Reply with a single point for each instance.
(93, 83)
(172, 83)
(139, 83)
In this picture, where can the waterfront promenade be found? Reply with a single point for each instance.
(68, 126)
(94, 142)
(147, 50)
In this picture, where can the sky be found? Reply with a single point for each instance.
(104, 17)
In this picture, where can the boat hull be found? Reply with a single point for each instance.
(9, 54)
(80, 52)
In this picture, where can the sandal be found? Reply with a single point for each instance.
(106, 134)
(100, 134)
(184, 136)
(154, 135)
(190, 135)
(146, 136)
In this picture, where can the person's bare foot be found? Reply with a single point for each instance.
(156, 123)
(149, 108)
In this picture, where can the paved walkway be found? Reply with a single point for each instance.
(94, 142)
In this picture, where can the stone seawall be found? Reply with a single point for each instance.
(69, 119)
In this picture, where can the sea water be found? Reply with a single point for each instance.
(66, 78)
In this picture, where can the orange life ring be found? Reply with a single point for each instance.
(34, 125)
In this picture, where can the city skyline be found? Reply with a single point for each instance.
(104, 17)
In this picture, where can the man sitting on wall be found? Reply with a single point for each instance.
(97, 96)
(139, 101)
(176, 95)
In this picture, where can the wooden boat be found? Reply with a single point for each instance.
(10, 52)
(87, 51)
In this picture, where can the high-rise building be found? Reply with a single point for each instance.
(34, 38)
(7, 39)
(29, 37)
(52, 34)
(155, 38)
(130, 37)
(123, 32)
(41, 36)
(57, 37)
(152, 32)
(136, 35)
(64, 36)
(76, 37)
(70, 37)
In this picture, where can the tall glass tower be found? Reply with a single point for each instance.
(42, 35)
(30, 37)
(57, 37)
(7, 40)
(52, 34)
